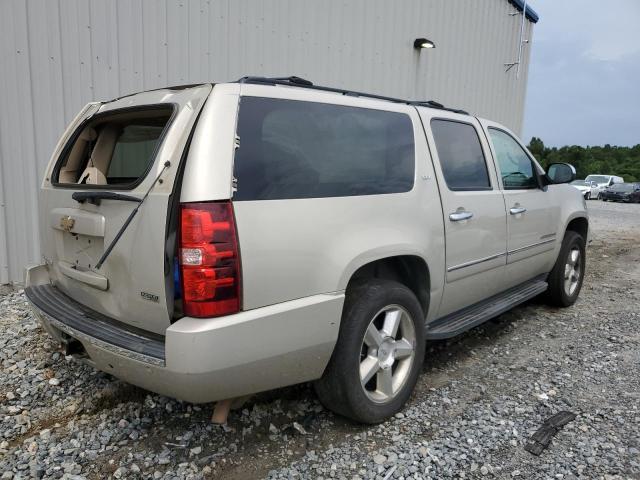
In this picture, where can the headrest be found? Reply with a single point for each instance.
(92, 176)
(88, 134)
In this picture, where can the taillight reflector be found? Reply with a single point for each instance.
(209, 259)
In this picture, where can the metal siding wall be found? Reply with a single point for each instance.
(58, 55)
(4, 262)
(19, 150)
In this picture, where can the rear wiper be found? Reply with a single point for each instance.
(131, 215)
(96, 197)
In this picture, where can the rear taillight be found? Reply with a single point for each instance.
(209, 259)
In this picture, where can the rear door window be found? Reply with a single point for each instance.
(297, 149)
(460, 153)
(115, 149)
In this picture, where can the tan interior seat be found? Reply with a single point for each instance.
(70, 172)
(96, 171)
(92, 176)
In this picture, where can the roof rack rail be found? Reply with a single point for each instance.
(439, 106)
(293, 81)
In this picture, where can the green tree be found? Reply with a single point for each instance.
(605, 160)
(536, 146)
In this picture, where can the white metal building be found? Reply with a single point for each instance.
(57, 56)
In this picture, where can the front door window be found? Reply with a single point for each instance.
(516, 168)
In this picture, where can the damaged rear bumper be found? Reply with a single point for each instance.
(199, 360)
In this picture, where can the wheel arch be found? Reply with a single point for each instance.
(580, 225)
(410, 269)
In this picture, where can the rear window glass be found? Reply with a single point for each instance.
(294, 149)
(115, 149)
(460, 153)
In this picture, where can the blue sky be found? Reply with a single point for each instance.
(584, 74)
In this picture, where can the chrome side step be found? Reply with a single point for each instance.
(458, 322)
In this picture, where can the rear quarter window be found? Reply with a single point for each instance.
(114, 150)
(296, 149)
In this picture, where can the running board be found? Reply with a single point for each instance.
(458, 322)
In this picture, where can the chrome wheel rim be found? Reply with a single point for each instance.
(387, 353)
(572, 271)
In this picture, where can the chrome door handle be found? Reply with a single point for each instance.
(459, 216)
(517, 210)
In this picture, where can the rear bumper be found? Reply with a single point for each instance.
(200, 360)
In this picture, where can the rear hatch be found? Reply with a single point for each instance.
(120, 147)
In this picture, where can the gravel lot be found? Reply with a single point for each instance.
(479, 399)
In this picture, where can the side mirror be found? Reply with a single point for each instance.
(561, 173)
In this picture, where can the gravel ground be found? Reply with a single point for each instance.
(479, 399)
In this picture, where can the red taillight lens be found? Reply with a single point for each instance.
(209, 259)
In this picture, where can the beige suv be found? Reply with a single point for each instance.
(208, 242)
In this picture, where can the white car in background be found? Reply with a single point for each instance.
(589, 190)
(603, 182)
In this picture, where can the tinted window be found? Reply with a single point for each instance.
(515, 166)
(460, 154)
(293, 149)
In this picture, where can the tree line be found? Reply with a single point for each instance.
(606, 160)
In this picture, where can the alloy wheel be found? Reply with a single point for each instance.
(572, 271)
(387, 353)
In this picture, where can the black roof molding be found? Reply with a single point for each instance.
(531, 13)
(294, 81)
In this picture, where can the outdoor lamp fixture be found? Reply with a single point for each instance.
(420, 43)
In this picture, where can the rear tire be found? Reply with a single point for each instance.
(565, 280)
(378, 355)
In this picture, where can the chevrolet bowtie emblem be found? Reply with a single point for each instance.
(67, 223)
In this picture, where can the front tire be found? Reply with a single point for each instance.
(565, 280)
(378, 355)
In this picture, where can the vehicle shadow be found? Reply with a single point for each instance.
(272, 428)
